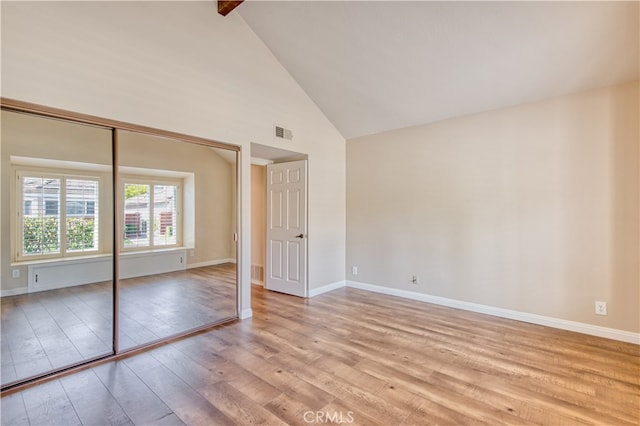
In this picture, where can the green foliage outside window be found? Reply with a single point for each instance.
(80, 233)
(133, 190)
(41, 234)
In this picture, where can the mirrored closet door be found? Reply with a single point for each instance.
(57, 244)
(114, 237)
(177, 258)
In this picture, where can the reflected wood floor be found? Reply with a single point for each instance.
(352, 355)
(55, 328)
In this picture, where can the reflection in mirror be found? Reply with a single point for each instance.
(177, 258)
(57, 244)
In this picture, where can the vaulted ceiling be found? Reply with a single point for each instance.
(376, 66)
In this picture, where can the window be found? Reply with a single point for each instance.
(59, 217)
(151, 210)
(60, 214)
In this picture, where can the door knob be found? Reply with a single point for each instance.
(300, 236)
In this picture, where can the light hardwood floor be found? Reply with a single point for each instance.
(56, 328)
(352, 355)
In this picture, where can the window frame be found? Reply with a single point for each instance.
(151, 180)
(19, 214)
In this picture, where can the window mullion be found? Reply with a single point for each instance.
(123, 219)
(63, 216)
(151, 224)
(20, 217)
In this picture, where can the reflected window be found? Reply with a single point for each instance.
(59, 215)
(151, 214)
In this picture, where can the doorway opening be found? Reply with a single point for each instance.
(279, 237)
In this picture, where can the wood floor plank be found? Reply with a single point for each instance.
(168, 420)
(275, 373)
(13, 411)
(307, 335)
(222, 370)
(238, 406)
(198, 376)
(92, 401)
(190, 407)
(48, 404)
(146, 407)
(8, 370)
(288, 409)
(341, 412)
(353, 395)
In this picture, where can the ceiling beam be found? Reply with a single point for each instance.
(226, 6)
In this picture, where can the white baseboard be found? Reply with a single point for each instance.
(326, 288)
(258, 283)
(246, 313)
(210, 263)
(593, 330)
(13, 291)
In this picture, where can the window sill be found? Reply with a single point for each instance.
(142, 253)
(68, 259)
(81, 259)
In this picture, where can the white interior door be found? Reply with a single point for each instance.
(287, 228)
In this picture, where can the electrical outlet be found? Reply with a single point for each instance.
(15, 273)
(354, 270)
(415, 280)
(601, 308)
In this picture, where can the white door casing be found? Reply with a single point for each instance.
(287, 228)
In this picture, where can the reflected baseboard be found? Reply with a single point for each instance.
(24, 290)
(14, 291)
(210, 263)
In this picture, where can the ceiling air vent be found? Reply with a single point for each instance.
(283, 133)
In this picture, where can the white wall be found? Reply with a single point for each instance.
(532, 208)
(182, 67)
